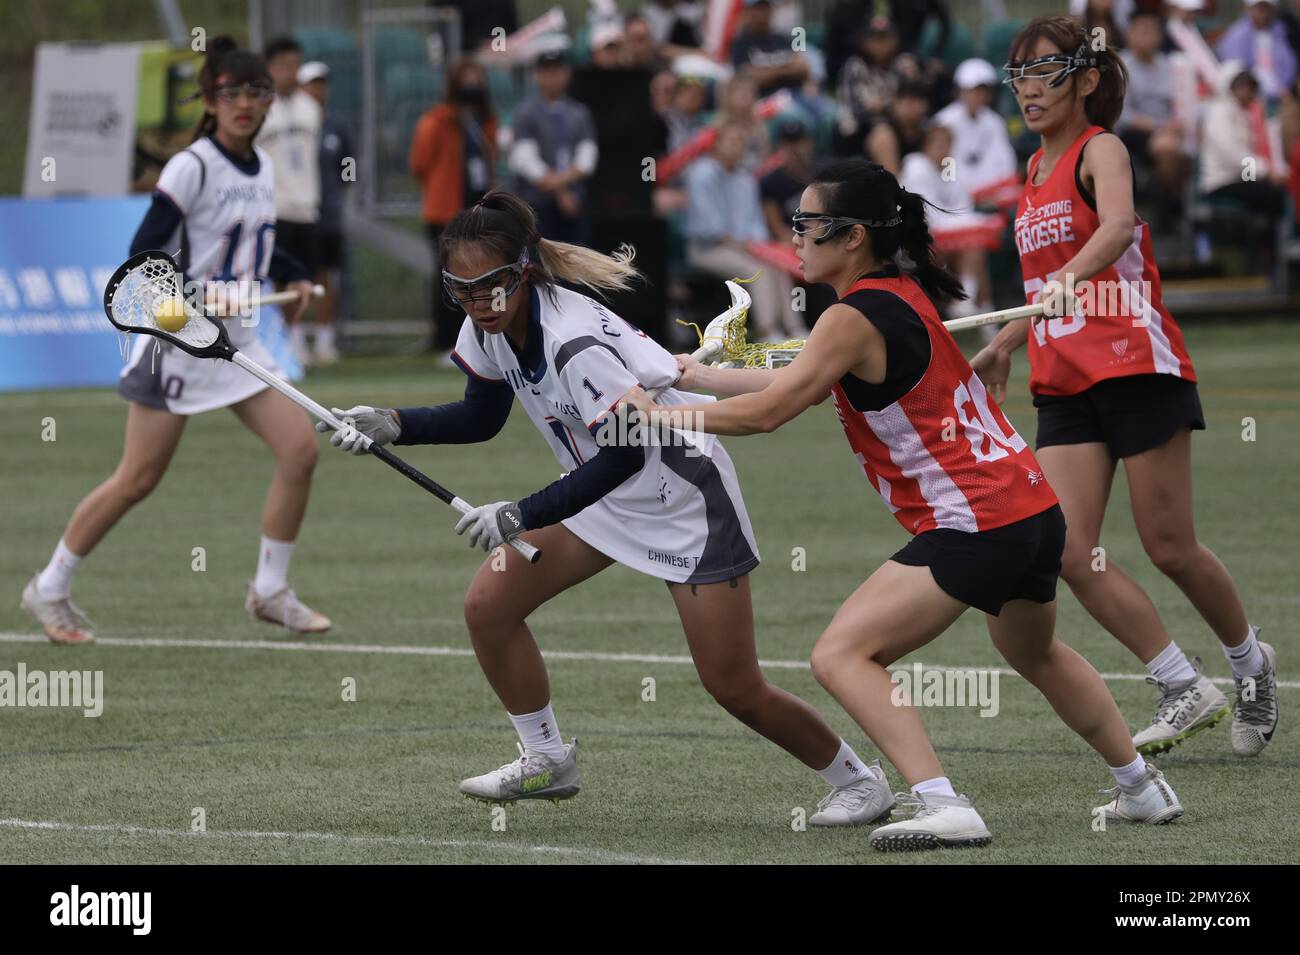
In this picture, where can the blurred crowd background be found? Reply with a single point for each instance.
(689, 128)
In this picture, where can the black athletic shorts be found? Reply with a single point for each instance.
(329, 250)
(298, 239)
(985, 569)
(1129, 415)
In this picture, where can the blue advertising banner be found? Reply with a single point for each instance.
(56, 256)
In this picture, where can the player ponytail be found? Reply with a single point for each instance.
(859, 189)
(1069, 35)
(508, 226)
(225, 65)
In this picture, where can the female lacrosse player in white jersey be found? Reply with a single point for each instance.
(215, 201)
(674, 513)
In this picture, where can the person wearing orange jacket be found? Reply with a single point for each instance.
(453, 149)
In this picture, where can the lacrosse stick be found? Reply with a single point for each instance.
(149, 283)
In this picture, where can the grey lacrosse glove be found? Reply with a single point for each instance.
(366, 426)
(491, 525)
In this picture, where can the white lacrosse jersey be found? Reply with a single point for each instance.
(291, 134)
(681, 517)
(227, 234)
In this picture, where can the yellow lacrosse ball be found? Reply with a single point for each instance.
(170, 315)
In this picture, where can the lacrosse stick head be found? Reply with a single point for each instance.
(148, 289)
(722, 334)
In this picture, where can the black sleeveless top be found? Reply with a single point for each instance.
(907, 346)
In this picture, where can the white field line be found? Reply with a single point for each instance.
(339, 838)
(371, 648)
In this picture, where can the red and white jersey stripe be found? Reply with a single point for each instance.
(943, 455)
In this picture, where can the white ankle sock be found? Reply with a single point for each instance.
(1246, 659)
(538, 732)
(1171, 666)
(845, 768)
(939, 786)
(55, 581)
(324, 337)
(1129, 776)
(272, 567)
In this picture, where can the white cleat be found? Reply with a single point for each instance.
(1184, 710)
(937, 822)
(63, 621)
(861, 802)
(1254, 720)
(1151, 801)
(531, 776)
(285, 609)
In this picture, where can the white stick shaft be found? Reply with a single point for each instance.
(275, 298)
(994, 318)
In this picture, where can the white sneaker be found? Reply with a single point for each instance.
(937, 822)
(1253, 721)
(1151, 801)
(285, 609)
(1184, 710)
(531, 776)
(63, 621)
(861, 802)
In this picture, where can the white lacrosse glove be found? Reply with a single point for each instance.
(491, 525)
(366, 426)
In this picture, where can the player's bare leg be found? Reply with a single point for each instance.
(1160, 488)
(288, 433)
(718, 620)
(152, 436)
(504, 592)
(1024, 633)
(326, 305)
(1081, 475)
(896, 611)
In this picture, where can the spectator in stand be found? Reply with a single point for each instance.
(452, 155)
(1258, 40)
(335, 151)
(686, 118)
(1289, 123)
(1148, 126)
(1234, 130)
(722, 215)
(980, 143)
(868, 83)
(903, 130)
(765, 56)
(607, 46)
(782, 187)
(554, 150)
(1110, 16)
(291, 137)
(953, 221)
(1194, 67)
(848, 18)
(737, 108)
(639, 49)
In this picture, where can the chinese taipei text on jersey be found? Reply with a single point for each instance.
(681, 517)
(226, 234)
(943, 455)
(1120, 326)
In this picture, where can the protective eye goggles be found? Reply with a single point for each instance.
(819, 227)
(257, 91)
(502, 281)
(1051, 70)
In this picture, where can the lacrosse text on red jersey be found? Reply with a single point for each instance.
(943, 455)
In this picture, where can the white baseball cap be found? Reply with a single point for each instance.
(973, 73)
(315, 70)
(1192, 5)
